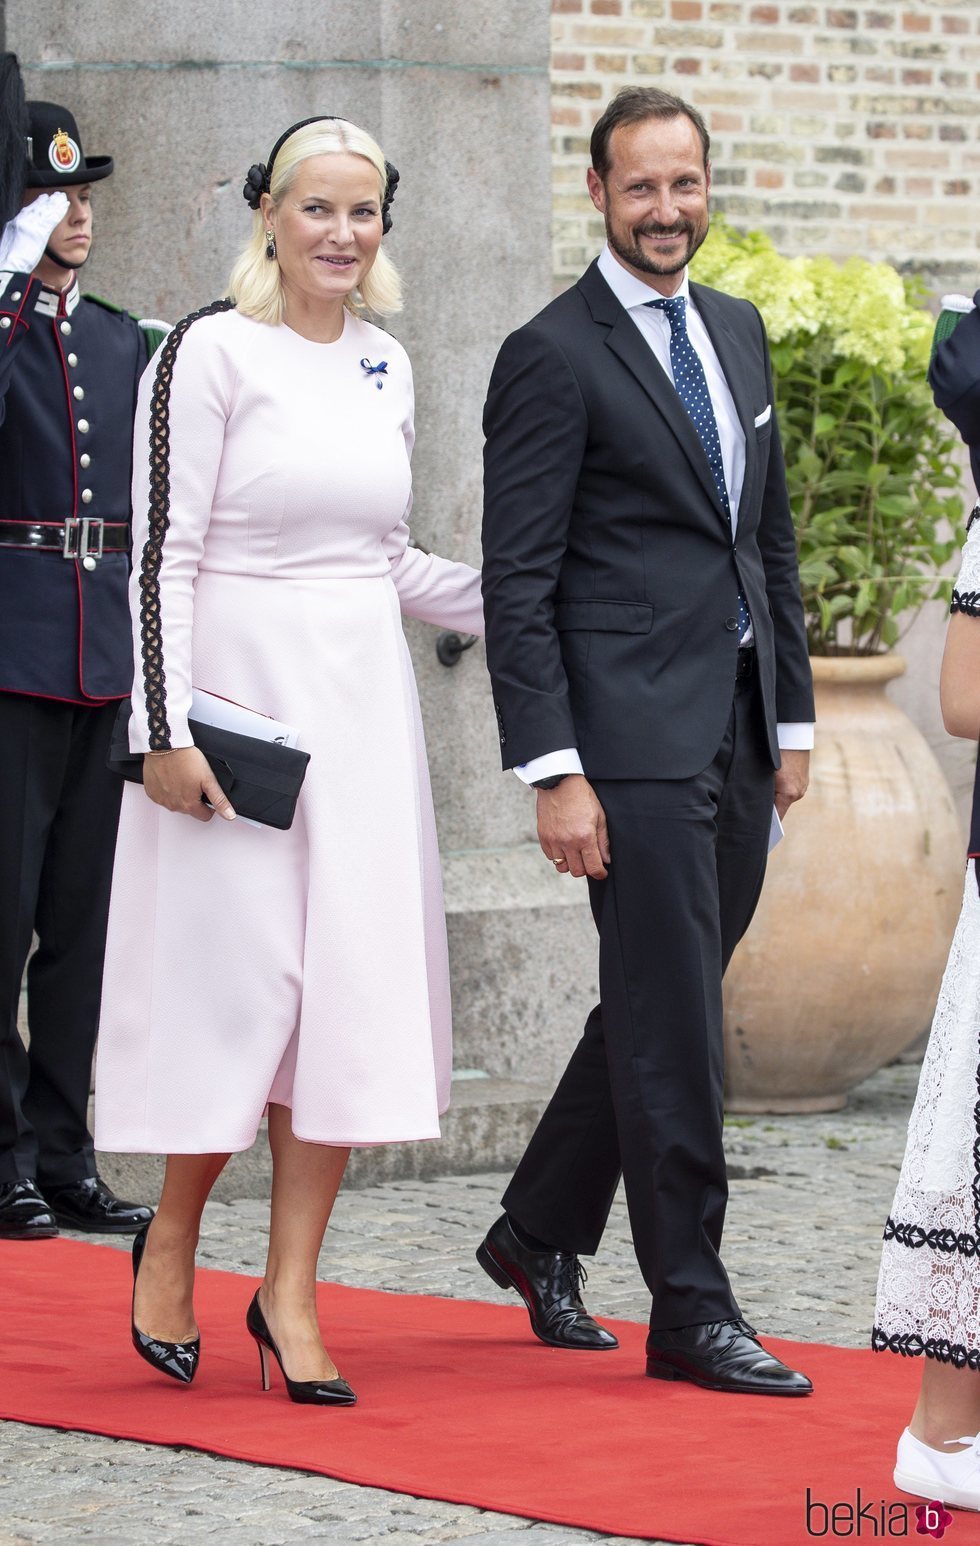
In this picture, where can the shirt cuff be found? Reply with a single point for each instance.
(567, 761)
(795, 736)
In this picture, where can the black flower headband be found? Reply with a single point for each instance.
(258, 177)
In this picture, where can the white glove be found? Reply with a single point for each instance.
(25, 238)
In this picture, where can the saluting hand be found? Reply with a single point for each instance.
(25, 238)
(572, 828)
(181, 781)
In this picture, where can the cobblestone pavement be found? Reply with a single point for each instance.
(809, 1196)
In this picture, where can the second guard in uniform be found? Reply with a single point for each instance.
(69, 368)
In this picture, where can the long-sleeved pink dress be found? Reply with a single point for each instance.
(246, 965)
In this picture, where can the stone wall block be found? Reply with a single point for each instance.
(105, 33)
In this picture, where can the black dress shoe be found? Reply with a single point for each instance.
(24, 1214)
(89, 1205)
(549, 1283)
(722, 1355)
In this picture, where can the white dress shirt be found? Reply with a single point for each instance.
(653, 323)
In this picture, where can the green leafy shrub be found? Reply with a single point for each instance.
(869, 458)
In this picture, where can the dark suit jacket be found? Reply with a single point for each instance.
(65, 631)
(610, 578)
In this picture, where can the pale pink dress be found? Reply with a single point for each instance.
(246, 965)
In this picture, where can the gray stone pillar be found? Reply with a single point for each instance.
(185, 97)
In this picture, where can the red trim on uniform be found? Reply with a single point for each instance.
(81, 636)
(71, 419)
(51, 697)
(16, 317)
(59, 520)
(85, 700)
(32, 290)
(30, 298)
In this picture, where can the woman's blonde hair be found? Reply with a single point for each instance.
(255, 283)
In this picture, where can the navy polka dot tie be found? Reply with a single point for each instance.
(692, 389)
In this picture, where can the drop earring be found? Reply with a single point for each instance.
(270, 244)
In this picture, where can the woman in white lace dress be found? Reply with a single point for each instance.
(928, 1300)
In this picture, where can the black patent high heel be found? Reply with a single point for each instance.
(310, 1392)
(178, 1359)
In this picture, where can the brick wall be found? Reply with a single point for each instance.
(836, 128)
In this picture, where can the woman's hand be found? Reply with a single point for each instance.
(177, 780)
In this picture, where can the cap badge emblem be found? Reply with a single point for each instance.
(63, 153)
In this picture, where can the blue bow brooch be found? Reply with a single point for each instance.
(377, 371)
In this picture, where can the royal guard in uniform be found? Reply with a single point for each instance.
(69, 368)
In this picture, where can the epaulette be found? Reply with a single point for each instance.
(154, 330)
(953, 308)
(99, 300)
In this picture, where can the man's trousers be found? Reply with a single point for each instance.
(59, 808)
(643, 1092)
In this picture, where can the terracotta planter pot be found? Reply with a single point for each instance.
(839, 971)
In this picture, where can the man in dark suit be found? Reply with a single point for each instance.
(647, 649)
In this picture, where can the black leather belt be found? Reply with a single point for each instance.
(746, 662)
(83, 537)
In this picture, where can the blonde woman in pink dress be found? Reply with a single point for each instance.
(303, 973)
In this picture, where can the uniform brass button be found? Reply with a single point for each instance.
(4, 321)
(78, 393)
(66, 328)
(88, 562)
(73, 359)
(86, 496)
(83, 426)
(731, 623)
(15, 296)
(84, 460)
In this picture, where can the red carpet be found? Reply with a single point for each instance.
(458, 1402)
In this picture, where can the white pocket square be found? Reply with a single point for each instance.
(764, 416)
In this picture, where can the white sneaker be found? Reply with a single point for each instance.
(952, 1478)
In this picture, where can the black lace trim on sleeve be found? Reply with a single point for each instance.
(151, 638)
(966, 601)
(910, 1345)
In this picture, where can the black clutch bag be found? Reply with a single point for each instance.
(261, 778)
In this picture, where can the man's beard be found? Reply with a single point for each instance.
(633, 254)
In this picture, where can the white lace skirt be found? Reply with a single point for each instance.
(929, 1284)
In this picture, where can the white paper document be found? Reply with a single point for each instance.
(775, 829)
(223, 714)
(208, 709)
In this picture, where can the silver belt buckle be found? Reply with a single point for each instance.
(84, 539)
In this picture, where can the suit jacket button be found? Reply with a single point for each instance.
(731, 623)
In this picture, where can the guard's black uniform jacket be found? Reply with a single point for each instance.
(69, 369)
